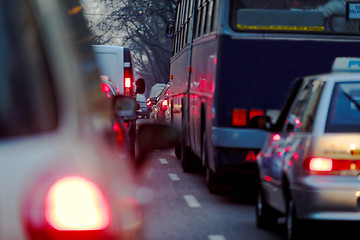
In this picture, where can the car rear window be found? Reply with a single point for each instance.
(27, 96)
(344, 110)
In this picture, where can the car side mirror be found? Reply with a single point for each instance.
(154, 137)
(261, 122)
(125, 107)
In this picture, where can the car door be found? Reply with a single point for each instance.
(296, 130)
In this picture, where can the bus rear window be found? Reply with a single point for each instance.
(318, 16)
(344, 110)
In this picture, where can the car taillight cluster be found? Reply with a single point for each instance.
(128, 82)
(106, 89)
(322, 165)
(164, 104)
(72, 208)
(74, 203)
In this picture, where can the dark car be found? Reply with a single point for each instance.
(144, 106)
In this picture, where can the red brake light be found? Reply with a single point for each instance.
(321, 164)
(127, 82)
(74, 203)
(276, 137)
(105, 88)
(165, 104)
(239, 117)
(255, 112)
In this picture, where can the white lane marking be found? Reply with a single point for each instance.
(174, 177)
(216, 237)
(191, 201)
(163, 161)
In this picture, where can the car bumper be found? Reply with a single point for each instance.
(328, 198)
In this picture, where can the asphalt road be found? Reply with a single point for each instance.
(180, 206)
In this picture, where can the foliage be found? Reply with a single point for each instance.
(138, 24)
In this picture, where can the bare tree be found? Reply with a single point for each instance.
(138, 24)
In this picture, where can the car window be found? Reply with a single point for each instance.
(27, 97)
(301, 117)
(344, 110)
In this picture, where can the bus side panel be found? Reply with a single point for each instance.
(202, 88)
(178, 87)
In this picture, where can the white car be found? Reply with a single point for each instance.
(62, 176)
(309, 168)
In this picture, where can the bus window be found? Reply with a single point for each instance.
(299, 16)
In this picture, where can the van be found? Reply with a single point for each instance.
(116, 63)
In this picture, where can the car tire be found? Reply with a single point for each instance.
(265, 214)
(292, 224)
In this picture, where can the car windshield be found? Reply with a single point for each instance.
(344, 110)
(306, 16)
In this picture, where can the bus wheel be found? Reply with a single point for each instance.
(188, 160)
(178, 150)
(213, 182)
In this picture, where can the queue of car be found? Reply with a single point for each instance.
(63, 176)
(309, 167)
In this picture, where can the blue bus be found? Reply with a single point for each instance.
(234, 60)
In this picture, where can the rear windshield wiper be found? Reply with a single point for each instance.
(351, 99)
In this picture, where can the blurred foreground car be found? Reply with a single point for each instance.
(62, 176)
(309, 168)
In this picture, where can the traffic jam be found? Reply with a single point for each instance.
(96, 146)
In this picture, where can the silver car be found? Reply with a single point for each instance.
(62, 175)
(309, 167)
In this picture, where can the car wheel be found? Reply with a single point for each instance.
(291, 222)
(265, 215)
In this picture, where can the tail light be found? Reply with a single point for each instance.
(164, 104)
(239, 117)
(106, 89)
(148, 103)
(321, 164)
(255, 112)
(276, 137)
(74, 203)
(71, 208)
(128, 81)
